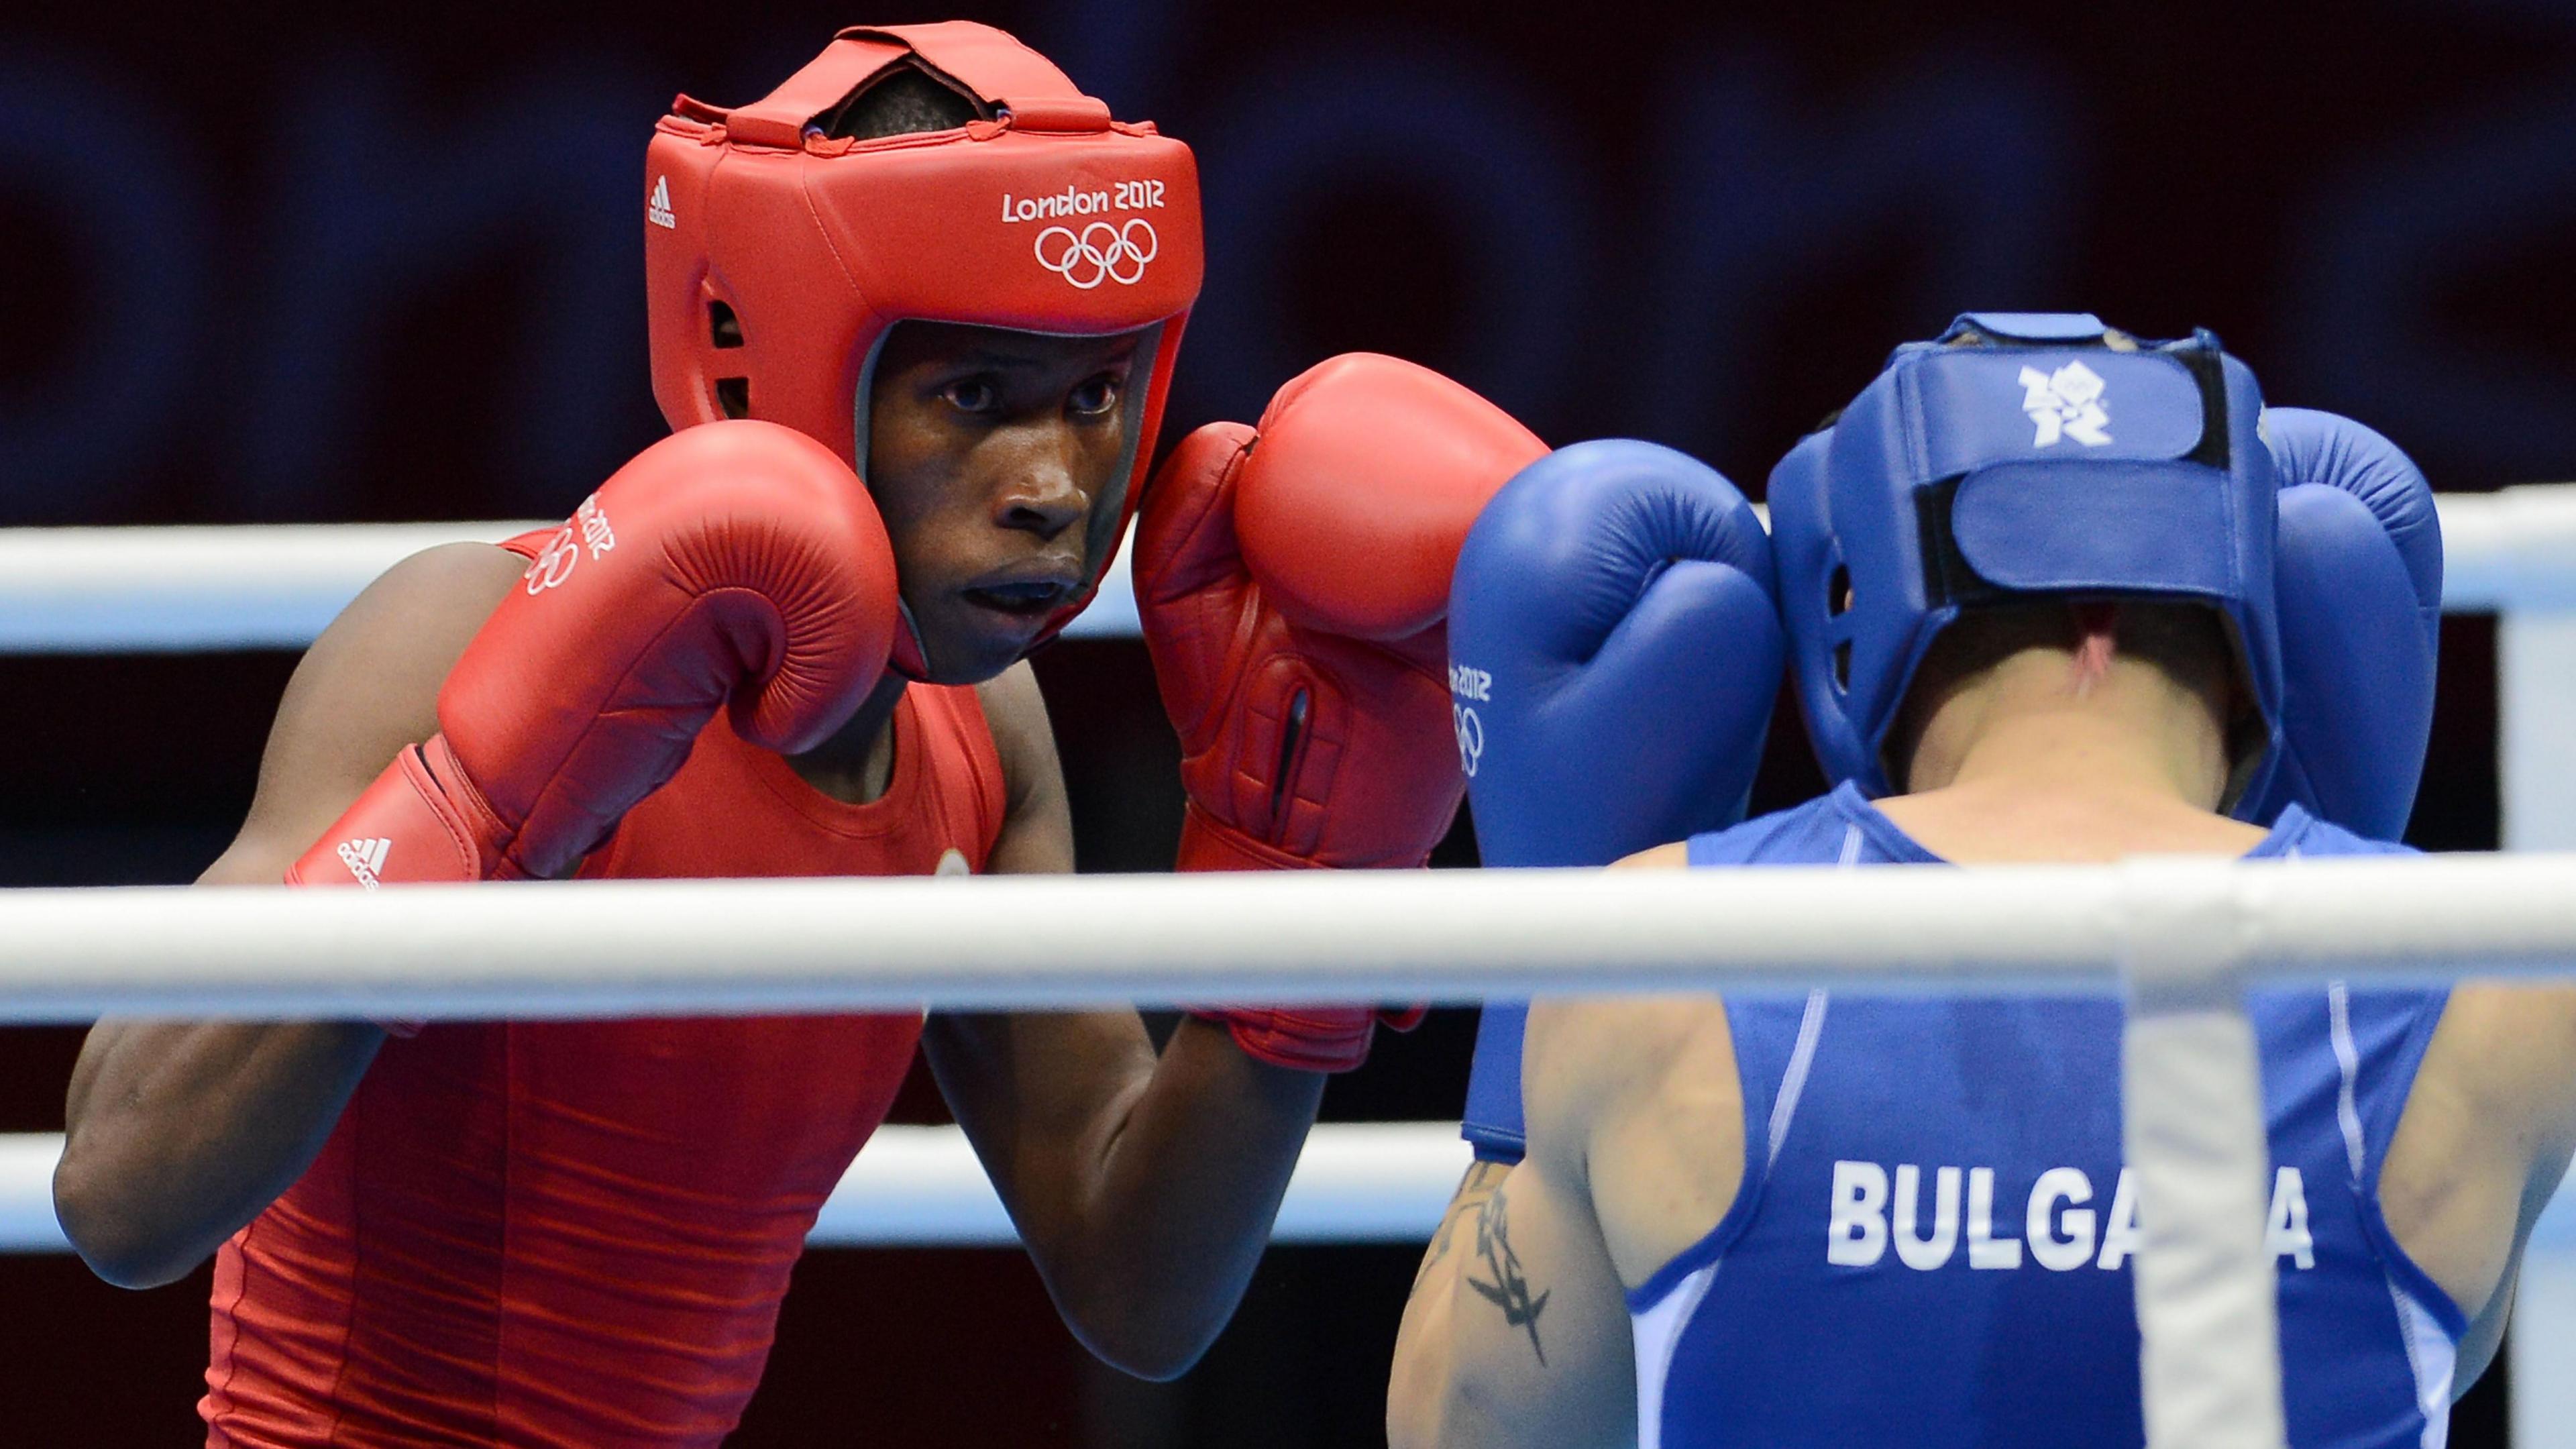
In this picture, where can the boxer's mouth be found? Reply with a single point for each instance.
(1025, 594)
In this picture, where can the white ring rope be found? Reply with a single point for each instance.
(919, 1187)
(256, 586)
(273, 586)
(605, 948)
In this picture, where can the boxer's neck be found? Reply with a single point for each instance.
(2038, 759)
(857, 763)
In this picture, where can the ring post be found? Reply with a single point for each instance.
(2192, 1097)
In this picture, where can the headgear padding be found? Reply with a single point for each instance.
(1049, 218)
(2021, 456)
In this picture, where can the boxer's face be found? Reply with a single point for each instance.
(987, 451)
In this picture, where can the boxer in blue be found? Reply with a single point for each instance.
(2050, 594)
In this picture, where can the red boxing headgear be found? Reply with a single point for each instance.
(777, 259)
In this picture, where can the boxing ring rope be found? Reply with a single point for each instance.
(668, 947)
(922, 1187)
(253, 586)
(2180, 934)
(273, 586)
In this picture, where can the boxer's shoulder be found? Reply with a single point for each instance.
(367, 688)
(1837, 827)
(1587, 1057)
(1037, 826)
(2299, 834)
(386, 654)
(1637, 1101)
(437, 584)
(1812, 833)
(1015, 713)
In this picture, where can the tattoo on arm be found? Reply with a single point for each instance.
(1481, 1180)
(1510, 1289)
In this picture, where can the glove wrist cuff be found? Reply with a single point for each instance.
(1208, 843)
(1333, 1041)
(403, 827)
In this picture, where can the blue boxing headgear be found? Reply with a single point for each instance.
(2020, 456)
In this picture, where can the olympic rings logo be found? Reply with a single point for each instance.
(554, 565)
(1100, 253)
(1471, 737)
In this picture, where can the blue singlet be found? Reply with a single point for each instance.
(1931, 1243)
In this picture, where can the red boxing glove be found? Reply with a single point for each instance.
(734, 563)
(1293, 582)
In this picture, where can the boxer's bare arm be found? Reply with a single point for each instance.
(178, 1133)
(1429, 1394)
(1517, 1331)
(2485, 1138)
(1143, 1186)
(1517, 1335)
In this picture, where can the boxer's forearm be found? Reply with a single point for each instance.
(176, 1134)
(1179, 1201)
(1143, 1185)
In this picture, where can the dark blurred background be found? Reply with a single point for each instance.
(329, 262)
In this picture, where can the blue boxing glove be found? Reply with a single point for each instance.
(2359, 584)
(1615, 651)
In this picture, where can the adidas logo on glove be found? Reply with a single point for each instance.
(365, 858)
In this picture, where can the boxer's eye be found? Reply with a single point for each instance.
(1094, 396)
(973, 394)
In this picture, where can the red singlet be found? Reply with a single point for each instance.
(578, 1233)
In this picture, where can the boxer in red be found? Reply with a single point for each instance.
(929, 259)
